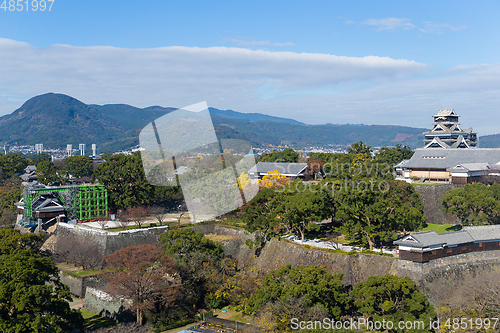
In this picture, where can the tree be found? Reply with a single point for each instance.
(297, 211)
(138, 272)
(137, 214)
(8, 217)
(123, 177)
(32, 299)
(196, 258)
(366, 212)
(313, 285)
(359, 148)
(8, 199)
(106, 156)
(35, 159)
(259, 212)
(12, 164)
(287, 155)
(46, 173)
(159, 213)
(473, 204)
(392, 298)
(395, 155)
(79, 166)
(273, 179)
(244, 181)
(315, 168)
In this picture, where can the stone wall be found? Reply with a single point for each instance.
(432, 196)
(99, 302)
(276, 253)
(440, 277)
(78, 285)
(110, 242)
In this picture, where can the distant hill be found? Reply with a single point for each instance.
(489, 141)
(56, 120)
(250, 116)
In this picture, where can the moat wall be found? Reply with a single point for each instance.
(438, 279)
(432, 196)
(110, 242)
(276, 253)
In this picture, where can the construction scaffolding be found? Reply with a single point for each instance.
(85, 202)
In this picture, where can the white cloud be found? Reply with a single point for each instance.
(390, 23)
(176, 76)
(440, 28)
(313, 88)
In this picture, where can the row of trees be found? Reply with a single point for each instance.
(199, 275)
(311, 293)
(361, 213)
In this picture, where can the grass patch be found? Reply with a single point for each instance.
(93, 321)
(218, 238)
(440, 228)
(87, 272)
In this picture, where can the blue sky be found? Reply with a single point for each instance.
(371, 62)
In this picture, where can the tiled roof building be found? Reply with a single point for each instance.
(428, 245)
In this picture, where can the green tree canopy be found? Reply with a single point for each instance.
(196, 258)
(359, 148)
(367, 211)
(313, 284)
(46, 173)
(123, 177)
(32, 299)
(395, 155)
(298, 211)
(186, 241)
(12, 164)
(35, 159)
(392, 298)
(79, 166)
(287, 155)
(474, 204)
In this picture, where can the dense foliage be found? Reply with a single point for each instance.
(287, 155)
(32, 299)
(395, 299)
(474, 204)
(79, 166)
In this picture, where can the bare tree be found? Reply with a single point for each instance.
(102, 223)
(8, 217)
(182, 209)
(138, 272)
(78, 252)
(122, 219)
(137, 215)
(159, 213)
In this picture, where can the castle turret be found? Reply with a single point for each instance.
(447, 133)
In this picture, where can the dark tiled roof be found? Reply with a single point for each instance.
(484, 232)
(431, 238)
(284, 168)
(449, 158)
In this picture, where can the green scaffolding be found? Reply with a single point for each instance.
(91, 202)
(84, 202)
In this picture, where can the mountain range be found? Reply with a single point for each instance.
(57, 119)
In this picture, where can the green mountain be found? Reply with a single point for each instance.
(489, 141)
(56, 120)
